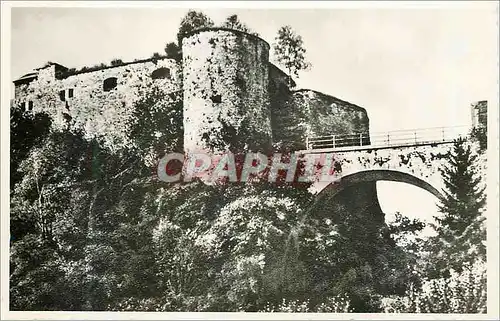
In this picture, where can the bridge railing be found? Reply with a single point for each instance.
(388, 139)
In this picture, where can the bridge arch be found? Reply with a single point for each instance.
(329, 192)
(373, 176)
(360, 170)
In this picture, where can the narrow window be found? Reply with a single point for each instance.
(30, 105)
(109, 84)
(62, 95)
(161, 73)
(216, 99)
(70, 93)
(23, 105)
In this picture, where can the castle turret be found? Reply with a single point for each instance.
(226, 100)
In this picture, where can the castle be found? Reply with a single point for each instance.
(232, 98)
(229, 91)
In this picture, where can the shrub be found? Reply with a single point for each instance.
(337, 304)
(460, 293)
(116, 62)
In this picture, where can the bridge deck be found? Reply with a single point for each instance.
(393, 139)
(371, 147)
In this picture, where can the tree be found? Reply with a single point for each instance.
(191, 21)
(460, 293)
(451, 264)
(74, 200)
(40, 226)
(26, 130)
(290, 52)
(355, 253)
(460, 229)
(116, 62)
(173, 51)
(232, 22)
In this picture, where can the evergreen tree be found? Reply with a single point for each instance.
(465, 197)
(460, 229)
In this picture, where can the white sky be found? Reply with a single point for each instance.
(409, 68)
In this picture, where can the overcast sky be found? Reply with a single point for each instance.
(409, 68)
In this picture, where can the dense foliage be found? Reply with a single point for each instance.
(95, 230)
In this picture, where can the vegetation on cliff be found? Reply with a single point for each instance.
(93, 229)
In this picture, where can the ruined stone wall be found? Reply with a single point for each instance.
(285, 117)
(479, 114)
(307, 113)
(100, 113)
(278, 79)
(226, 102)
(326, 115)
(232, 97)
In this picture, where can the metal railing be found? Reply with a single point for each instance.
(388, 139)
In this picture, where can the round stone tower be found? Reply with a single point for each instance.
(226, 100)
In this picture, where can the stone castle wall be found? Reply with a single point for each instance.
(326, 115)
(233, 97)
(308, 113)
(82, 101)
(226, 103)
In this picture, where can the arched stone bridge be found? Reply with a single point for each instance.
(413, 157)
